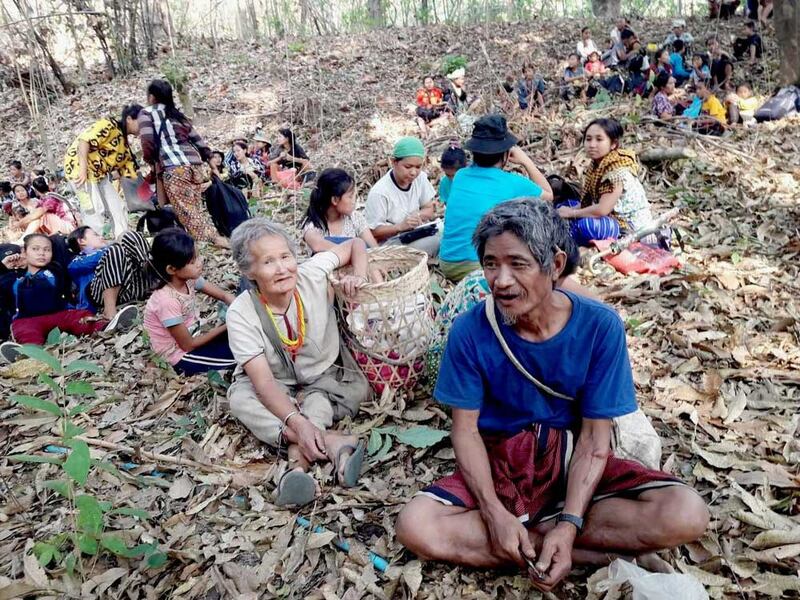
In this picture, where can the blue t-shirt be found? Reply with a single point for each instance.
(586, 360)
(445, 184)
(676, 60)
(474, 192)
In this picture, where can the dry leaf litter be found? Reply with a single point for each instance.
(714, 346)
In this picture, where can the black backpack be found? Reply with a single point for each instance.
(226, 205)
(157, 219)
(785, 102)
(563, 190)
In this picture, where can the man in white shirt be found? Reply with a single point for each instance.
(678, 33)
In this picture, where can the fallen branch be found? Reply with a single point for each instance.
(150, 456)
(654, 155)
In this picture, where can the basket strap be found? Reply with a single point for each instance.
(272, 335)
(492, 317)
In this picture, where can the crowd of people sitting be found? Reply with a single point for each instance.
(495, 224)
(626, 64)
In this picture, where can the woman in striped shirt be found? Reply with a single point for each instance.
(171, 144)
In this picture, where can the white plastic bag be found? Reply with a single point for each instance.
(654, 586)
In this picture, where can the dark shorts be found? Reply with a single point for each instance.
(215, 355)
(530, 470)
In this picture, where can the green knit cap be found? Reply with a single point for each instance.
(408, 146)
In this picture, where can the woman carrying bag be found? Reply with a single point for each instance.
(177, 152)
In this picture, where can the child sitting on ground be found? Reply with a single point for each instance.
(574, 79)
(742, 106)
(713, 118)
(700, 70)
(677, 60)
(749, 45)
(42, 293)
(530, 89)
(594, 66)
(332, 217)
(430, 104)
(453, 159)
(171, 313)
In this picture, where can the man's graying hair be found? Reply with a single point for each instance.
(251, 231)
(533, 221)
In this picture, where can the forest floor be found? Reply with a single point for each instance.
(714, 346)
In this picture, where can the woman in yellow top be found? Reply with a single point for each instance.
(89, 162)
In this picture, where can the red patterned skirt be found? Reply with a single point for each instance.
(530, 471)
(183, 186)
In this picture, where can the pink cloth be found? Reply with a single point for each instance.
(166, 308)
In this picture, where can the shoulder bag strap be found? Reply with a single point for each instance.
(272, 335)
(490, 315)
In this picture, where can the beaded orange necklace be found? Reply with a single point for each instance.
(292, 345)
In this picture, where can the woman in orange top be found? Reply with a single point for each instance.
(430, 104)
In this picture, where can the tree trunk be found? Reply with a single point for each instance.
(78, 49)
(606, 8)
(787, 30)
(376, 13)
(424, 14)
(66, 85)
(96, 24)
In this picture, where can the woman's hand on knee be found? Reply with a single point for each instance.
(310, 439)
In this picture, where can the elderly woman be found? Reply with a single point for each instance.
(402, 200)
(295, 378)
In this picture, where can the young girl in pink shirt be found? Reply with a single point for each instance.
(172, 314)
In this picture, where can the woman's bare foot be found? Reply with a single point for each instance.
(339, 448)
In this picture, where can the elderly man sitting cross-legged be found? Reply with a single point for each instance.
(537, 482)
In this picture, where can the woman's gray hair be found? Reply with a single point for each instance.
(532, 220)
(251, 231)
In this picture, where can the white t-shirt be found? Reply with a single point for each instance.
(321, 346)
(387, 204)
(584, 50)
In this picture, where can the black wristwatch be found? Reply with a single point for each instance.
(573, 519)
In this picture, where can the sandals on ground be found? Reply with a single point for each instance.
(295, 488)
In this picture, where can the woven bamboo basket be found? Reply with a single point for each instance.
(388, 326)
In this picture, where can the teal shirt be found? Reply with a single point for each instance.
(476, 190)
(445, 183)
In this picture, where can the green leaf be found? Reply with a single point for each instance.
(421, 437)
(78, 409)
(375, 441)
(32, 458)
(59, 486)
(131, 512)
(46, 379)
(105, 505)
(42, 355)
(69, 563)
(385, 449)
(108, 467)
(71, 430)
(53, 337)
(77, 464)
(142, 550)
(37, 404)
(44, 552)
(115, 544)
(156, 560)
(88, 544)
(80, 388)
(90, 515)
(80, 365)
